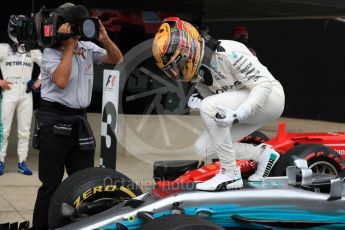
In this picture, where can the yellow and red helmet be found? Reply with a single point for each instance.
(178, 49)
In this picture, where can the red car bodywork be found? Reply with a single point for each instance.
(282, 142)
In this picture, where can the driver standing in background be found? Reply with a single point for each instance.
(16, 65)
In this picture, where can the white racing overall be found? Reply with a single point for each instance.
(17, 67)
(237, 77)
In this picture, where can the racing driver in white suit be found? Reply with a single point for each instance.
(16, 67)
(239, 96)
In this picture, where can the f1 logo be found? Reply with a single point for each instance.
(111, 79)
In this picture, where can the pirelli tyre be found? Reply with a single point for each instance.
(180, 222)
(87, 192)
(320, 158)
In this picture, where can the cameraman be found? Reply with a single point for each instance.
(65, 137)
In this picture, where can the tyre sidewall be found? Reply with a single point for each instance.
(89, 185)
(312, 153)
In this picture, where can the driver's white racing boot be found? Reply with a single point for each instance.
(224, 179)
(266, 161)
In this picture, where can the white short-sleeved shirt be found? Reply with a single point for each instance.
(78, 92)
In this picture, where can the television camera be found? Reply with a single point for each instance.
(41, 30)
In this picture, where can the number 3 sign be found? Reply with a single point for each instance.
(110, 102)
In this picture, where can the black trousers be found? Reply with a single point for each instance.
(56, 154)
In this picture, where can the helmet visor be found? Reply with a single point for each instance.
(174, 69)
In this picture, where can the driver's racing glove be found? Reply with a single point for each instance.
(243, 112)
(226, 116)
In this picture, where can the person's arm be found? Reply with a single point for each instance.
(251, 73)
(37, 58)
(114, 55)
(36, 84)
(63, 71)
(4, 84)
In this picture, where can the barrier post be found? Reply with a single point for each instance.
(110, 103)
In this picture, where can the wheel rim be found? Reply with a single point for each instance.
(324, 167)
(96, 206)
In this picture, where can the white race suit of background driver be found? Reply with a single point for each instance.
(17, 68)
